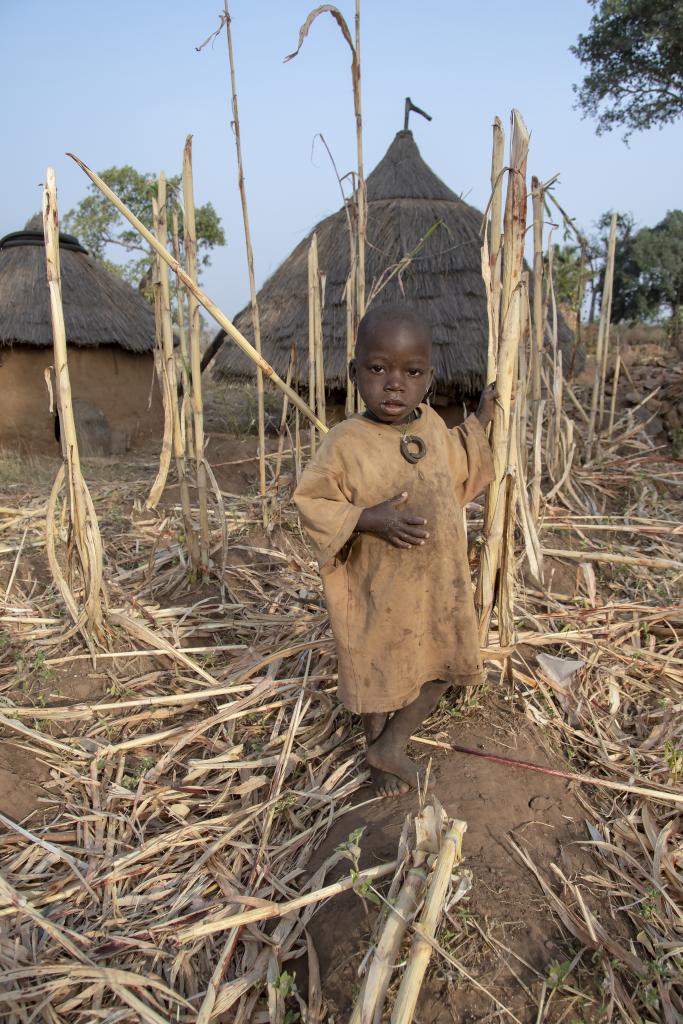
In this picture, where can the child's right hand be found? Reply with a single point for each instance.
(388, 521)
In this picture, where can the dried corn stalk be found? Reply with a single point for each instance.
(255, 318)
(86, 603)
(355, 285)
(421, 949)
(594, 423)
(170, 375)
(190, 236)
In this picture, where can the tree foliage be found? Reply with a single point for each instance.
(101, 228)
(650, 284)
(633, 54)
(570, 273)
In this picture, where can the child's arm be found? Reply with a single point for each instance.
(471, 459)
(487, 404)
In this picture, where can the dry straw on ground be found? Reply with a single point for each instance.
(197, 787)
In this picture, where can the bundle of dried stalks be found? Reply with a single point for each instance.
(500, 492)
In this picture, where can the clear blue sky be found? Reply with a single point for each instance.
(121, 83)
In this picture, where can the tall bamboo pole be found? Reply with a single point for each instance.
(350, 302)
(84, 533)
(182, 334)
(166, 453)
(255, 319)
(283, 420)
(318, 287)
(361, 195)
(511, 297)
(615, 388)
(190, 238)
(495, 255)
(171, 375)
(537, 332)
(603, 332)
(312, 374)
(211, 308)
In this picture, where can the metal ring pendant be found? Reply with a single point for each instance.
(410, 442)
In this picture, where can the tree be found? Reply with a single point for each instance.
(100, 226)
(633, 53)
(651, 283)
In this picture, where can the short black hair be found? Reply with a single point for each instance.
(380, 316)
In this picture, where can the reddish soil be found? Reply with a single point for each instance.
(542, 815)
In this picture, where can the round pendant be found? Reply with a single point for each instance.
(413, 448)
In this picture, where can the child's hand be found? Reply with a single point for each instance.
(487, 404)
(391, 523)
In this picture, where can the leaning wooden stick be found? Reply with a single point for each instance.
(203, 299)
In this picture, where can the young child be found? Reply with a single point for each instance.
(382, 504)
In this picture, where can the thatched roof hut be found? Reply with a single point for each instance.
(110, 333)
(406, 202)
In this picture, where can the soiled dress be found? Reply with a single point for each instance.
(401, 617)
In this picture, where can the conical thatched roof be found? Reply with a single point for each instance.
(405, 200)
(99, 308)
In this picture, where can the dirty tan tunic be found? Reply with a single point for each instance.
(400, 617)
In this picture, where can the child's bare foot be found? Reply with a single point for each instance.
(386, 784)
(385, 758)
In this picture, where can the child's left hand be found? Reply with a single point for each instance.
(487, 404)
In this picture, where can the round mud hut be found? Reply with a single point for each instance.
(110, 336)
(410, 211)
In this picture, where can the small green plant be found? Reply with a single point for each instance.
(673, 756)
(351, 847)
(364, 889)
(284, 802)
(649, 906)
(557, 973)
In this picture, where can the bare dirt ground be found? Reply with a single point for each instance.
(171, 787)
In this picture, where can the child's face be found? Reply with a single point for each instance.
(393, 370)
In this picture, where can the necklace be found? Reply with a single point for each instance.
(412, 446)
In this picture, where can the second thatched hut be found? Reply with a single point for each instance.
(410, 210)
